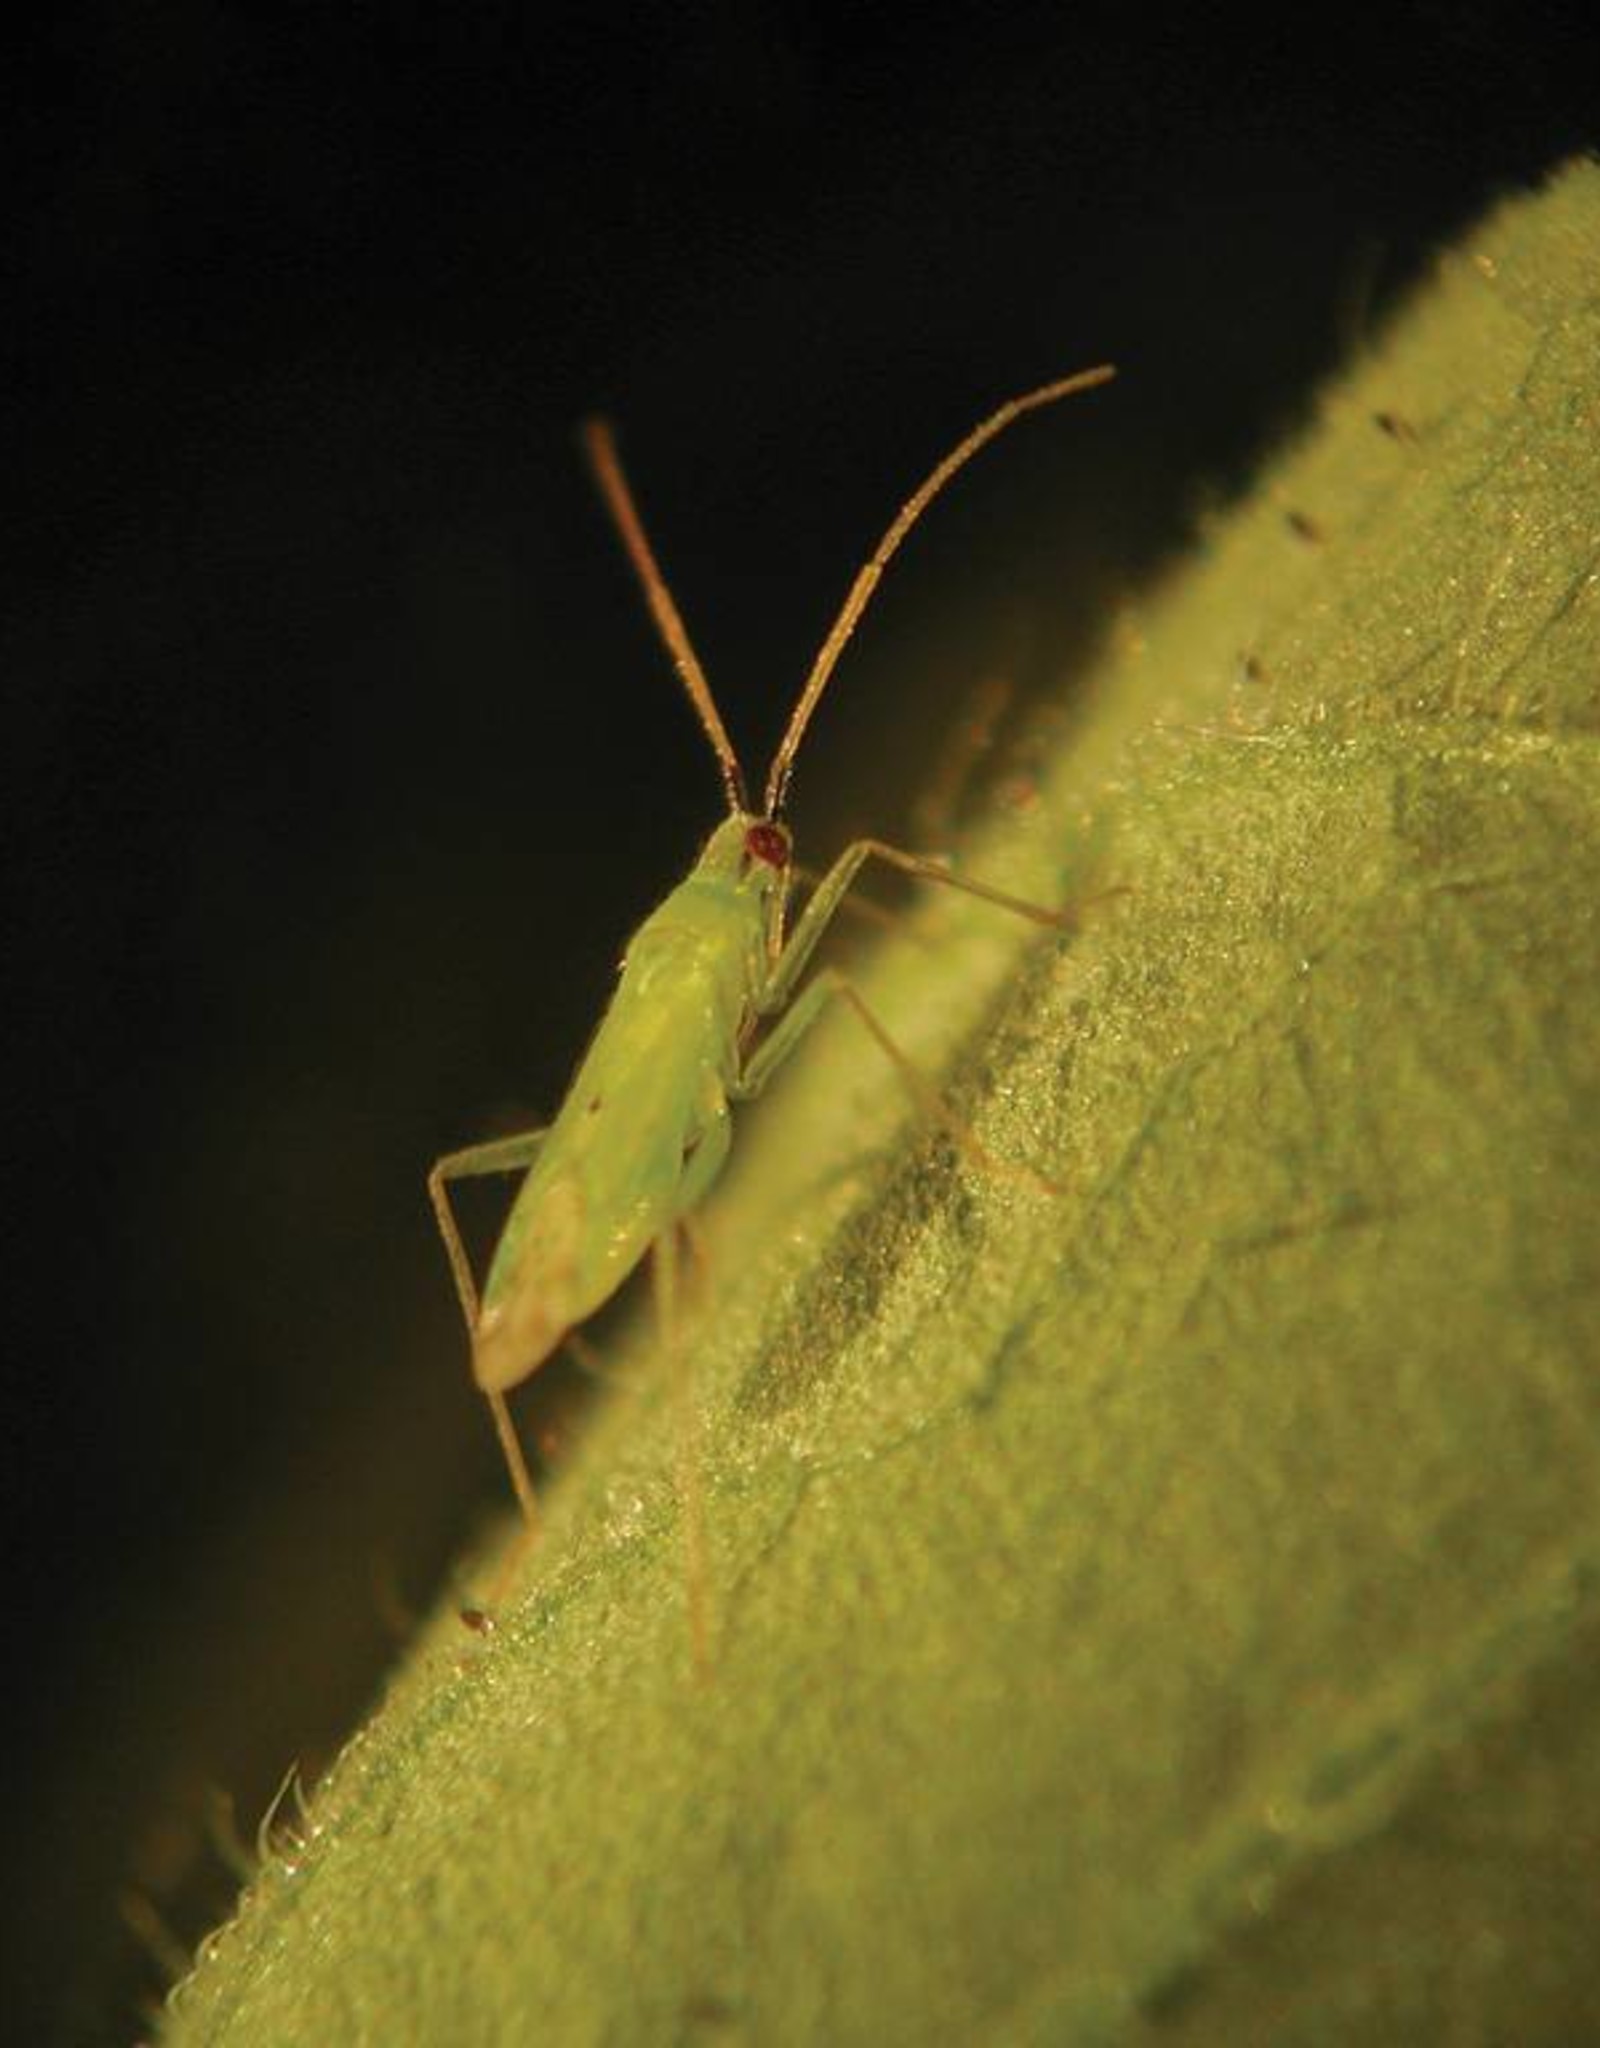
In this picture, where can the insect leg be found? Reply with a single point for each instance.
(803, 1012)
(785, 1035)
(830, 892)
(858, 906)
(502, 1155)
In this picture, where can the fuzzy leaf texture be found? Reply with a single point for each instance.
(1165, 1610)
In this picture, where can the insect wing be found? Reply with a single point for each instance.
(604, 1188)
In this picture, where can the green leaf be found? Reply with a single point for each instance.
(1166, 1609)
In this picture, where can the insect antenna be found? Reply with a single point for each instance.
(601, 448)
(867, 578)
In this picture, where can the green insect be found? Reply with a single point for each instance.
(705, 1013)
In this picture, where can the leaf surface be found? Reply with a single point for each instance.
(1166, 1609)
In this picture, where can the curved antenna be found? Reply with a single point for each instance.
(601, 448)
(867, 579)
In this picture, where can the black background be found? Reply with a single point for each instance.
(338, 759)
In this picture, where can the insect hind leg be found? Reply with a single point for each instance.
(503, 1155)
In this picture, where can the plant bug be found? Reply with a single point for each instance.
(705, 1012)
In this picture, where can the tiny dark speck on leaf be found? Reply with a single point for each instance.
(1397, 428)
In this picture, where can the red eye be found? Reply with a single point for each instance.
(769, 843)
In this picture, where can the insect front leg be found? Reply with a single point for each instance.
(801, 1011)
(501, 1155)
(798, 1019)
(830, 892)
(784, 1036)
